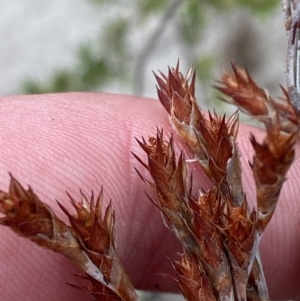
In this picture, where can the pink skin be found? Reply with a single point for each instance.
(65, 141)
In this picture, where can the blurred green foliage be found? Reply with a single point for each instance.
(106, 59)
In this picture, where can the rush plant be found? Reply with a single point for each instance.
(218, 231)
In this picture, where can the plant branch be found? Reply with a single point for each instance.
(292, 23)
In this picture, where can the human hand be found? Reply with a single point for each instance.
(65, 141)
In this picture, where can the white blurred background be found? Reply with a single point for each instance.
(60, 45)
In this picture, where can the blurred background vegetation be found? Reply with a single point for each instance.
(204, 34)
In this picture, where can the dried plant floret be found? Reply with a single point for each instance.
(242, 91)
(89, 242)
(271, 162)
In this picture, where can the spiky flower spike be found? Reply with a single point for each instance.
(242, 91)
(219, 234)
(89, 242)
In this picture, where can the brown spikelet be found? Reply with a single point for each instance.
(271, 162)
(27, 216)
(209, 140)
(176, 203)
(243, 92)
(192, 280)
(170, 182)
(89, 242)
